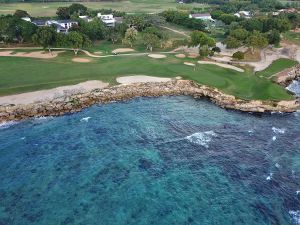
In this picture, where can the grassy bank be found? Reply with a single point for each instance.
(19, 75)
(276, 67)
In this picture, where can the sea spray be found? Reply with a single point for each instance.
(201, 138)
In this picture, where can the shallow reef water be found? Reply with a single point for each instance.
(166, 160)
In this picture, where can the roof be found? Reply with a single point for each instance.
(39, 22)
(201, 15)
(66, 21)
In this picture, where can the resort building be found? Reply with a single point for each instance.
(62, 26)
(202, 16)
(108, 19)
(86, 18)
(244, 14)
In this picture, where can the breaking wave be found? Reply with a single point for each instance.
(201, 138)
(278, 130)
(85, 119)
(7, 124)
(295, 216)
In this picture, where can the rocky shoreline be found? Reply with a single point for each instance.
(77, 102)
(286, 77)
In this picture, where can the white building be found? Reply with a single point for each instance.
(26, 19)
(243, 14)
(62, 26)
(108, 19)
(202, 16)
(86, 18)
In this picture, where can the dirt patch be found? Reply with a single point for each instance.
(140, 79)
(180, 56)
(122, 50)
(81, 60)
(189, 64)
(98, 53)
(36, 54)
(222, 65)
(193, 55)
(46, 95)
(157, 56)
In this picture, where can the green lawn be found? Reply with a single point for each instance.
(137, 6)
(276, 67)
(19, 75)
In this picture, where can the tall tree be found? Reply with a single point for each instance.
(75, 40)
(257, 40)
(130, 36)
(63, 13)
(21, 13)
(45, 36)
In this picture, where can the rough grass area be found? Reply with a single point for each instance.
(276, 67)
(19, 75)
(138, 6)
(292, 37)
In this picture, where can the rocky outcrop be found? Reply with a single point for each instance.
(286, 77)
(76, 102)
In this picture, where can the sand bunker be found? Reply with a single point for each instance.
(81, 60)
(189, 64)
(181, 56)
(140, 79)
(157, 56)
(46, 95)
(121, 50)
(35, 54)
(193, 55)
(222, 65)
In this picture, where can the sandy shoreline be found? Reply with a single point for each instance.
(50, 94)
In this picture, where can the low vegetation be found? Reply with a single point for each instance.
(62, 71)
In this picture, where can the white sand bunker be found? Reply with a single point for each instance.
(121, 50)
(157, 56)
(81, 60)
(193, 55)
(140, 79)
(189, 64)
(181, 56)
(46, 95)
(222, 65)
(35, 54)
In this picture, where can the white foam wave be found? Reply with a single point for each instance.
(7, 124)
(278, 130)
(201, 138)
(277, 165)
(297, 192)
(295, 87)
(43, 118)
(295, 216)
(85, 119)
(274, 138)
(270, 176)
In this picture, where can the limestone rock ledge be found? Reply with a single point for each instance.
(76, 102)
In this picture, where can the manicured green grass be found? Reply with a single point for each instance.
(19, 75)
(277, 66)
(137, 6)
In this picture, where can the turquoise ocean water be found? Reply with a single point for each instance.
(167, 160)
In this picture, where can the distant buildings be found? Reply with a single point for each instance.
(244, 14)
(108, 19)
(202, 16)
(86, 18)
(62, 26)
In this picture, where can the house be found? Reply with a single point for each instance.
(243, 14)
(62, 26)
(202, 16)
(28, 19)
(86, 18)
(290, 10)
(108, 19)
